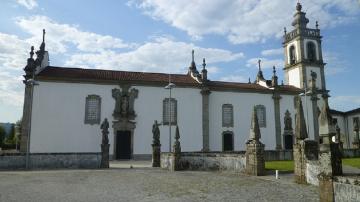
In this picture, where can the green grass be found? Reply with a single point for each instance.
(289, 165)
(280, 165)
(354, 162)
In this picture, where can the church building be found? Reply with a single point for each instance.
(64, 107)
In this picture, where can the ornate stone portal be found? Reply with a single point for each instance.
(288, 131)
(105, 144)
(124, 114)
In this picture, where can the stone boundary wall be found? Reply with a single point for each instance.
(234, 161)
(13, 161)
(346, 188)
(350, 153)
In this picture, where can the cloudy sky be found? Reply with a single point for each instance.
(158, 36)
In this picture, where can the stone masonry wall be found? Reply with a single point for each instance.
(207, 161)
(50, 160)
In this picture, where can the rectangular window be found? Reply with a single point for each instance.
(169, 109)
(261, 115)
(356, 123)
(227, 115)
(92, 109)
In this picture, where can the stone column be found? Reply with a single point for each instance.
(156, 146)
(25, 124)
(276, 97)
(205, 92)
(299, 146)
(176, 155)
(315, 112)
(255, 161)
(329, 158)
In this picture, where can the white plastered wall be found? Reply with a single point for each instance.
(59, 111)
(294, 77)
(243, 104)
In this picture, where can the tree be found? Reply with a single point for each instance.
(2, 135)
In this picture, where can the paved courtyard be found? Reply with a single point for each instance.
(142, 183)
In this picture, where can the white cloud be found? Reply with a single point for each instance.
(59, 36)
(265, 63)
(234, 78)
(29, 4)
(344, 102)
(11, 92)
(13, 52)
(270, 52)
(160, 55)
(243, 21)
(334, 65)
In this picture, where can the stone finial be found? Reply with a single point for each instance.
(300, 127)
(249, 82)
(177, 146)
(317, 25)
(298, 7)
(326, 126)
(259, 74)
(42, 46)
(274, 79)
(32, 52)
(285, 31)
(255, 134)
(43, 36)
(204, 72)
(282, 82)
(156, 133)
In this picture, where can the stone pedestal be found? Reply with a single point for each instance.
(175, 165)
(104, 156)
(326, 188)
(336, 158)
(304, 151)
(255, 161)
(156, 155)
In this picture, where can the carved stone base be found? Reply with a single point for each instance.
(303, 151)
(104, 156)
(255, 161)
(326, 188)
(176, 165)
(156, 150)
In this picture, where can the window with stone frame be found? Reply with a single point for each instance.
(92, 109)
(292, 55)
(227, 115)
(170, 108)
(311, 51)
(261, 115)
(356, 123)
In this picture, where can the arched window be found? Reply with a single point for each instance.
(261, 115)
(169, 108)
(227, 115)
(92, 109)
(311, 54)
(292, 55)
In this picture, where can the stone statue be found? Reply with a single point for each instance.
(104, 144)
(105, 131)
(124, 102)
(288, 121)
(156, 133)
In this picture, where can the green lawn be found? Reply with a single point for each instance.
(289, 165)
(279, 165)
(354, 162)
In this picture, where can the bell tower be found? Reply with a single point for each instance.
(303, 53)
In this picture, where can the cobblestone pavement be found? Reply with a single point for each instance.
(147, 184)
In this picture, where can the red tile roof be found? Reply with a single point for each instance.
(112, 76)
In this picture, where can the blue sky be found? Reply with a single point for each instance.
(158, 36)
